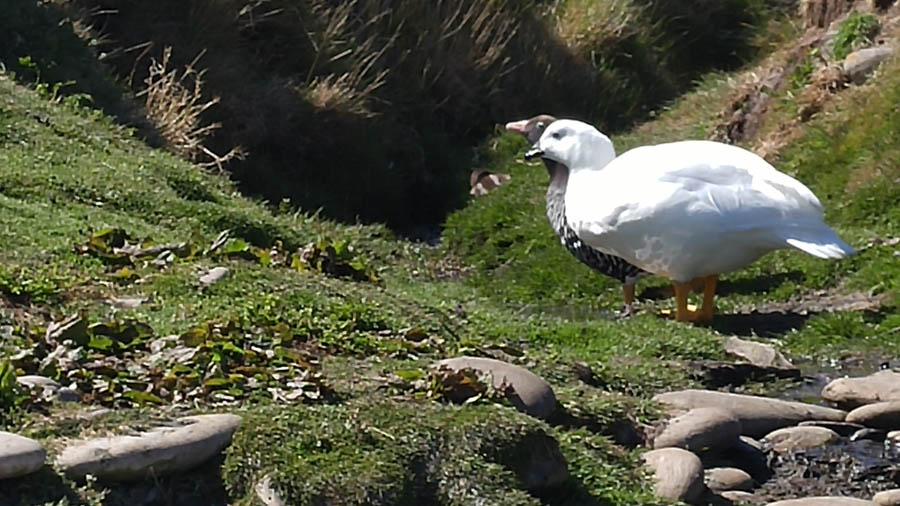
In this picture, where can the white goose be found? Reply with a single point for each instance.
(684, 210)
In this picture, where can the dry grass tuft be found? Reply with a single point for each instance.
(174, 103)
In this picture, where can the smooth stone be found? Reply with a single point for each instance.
(157, 452)
(49, 388)
(529, 393)
(887, 498)
(798, 438)
(214, 275)
(699, 430)
(19, 455)
(758, 354)
(881, 415)
(882, 386)
(32, 381)
(720, 479)
(737, 496)
(894, 436)
(844, 429)
(678, 474)
(758, 415)
(823, 501)
(858, 65)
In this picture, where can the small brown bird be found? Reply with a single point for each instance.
(482, 181)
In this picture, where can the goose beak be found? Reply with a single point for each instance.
(517, 126)
(534, 152)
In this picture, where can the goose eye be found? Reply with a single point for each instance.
(541, 125)
(556, 135)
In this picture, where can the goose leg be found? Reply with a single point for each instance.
(628, 295)
(709, 291)
(682, 313)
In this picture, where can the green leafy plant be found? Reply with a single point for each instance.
(856, 32)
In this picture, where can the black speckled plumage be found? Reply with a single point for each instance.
(604, 263)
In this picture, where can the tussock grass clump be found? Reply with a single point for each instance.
(174, 104)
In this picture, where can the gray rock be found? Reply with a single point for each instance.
(34, 381)
(157, 452)
(844, 429)
(882, 386)
(881, 415)
(823, 501)
(737, 496)
(860, 64)
(887, 498)
(798, 438)
(528, 392)
(700, 429)
(214, 275)
(758, 415)
(19, 455)
(678, 474)
(720, 479)
(758, 354)
(50, 389)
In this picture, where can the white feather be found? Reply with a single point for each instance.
(684, 209)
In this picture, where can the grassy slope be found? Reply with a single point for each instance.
(65, 171)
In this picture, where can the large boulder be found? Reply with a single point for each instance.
(758, 415)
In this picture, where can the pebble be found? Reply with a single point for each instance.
(758, 354)
(529, 393)
(720, 479)
(160, 451)
(880, 415)
(758, 415)
(214, 275)
(19, 455)
(699, 430)
(737, 496)
(49, 388)
(881, 386)
(678, 474)
(798, 438)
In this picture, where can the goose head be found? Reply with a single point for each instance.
(532, 128)
(574, 144)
